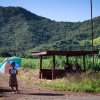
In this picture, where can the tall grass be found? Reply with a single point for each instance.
(87, 82)
(59, 62)
(1, 59)
(30, 63)
(35, 63)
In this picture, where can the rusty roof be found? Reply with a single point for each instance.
(64, 53)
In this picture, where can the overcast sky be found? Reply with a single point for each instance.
(58, 10)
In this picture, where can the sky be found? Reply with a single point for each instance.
(58, 10)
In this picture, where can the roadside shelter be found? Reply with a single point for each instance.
(54, 73)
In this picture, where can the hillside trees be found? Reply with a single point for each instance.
(22, 32)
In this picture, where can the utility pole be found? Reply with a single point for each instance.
(92, 35)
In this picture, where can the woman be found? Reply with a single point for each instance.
(13, 78)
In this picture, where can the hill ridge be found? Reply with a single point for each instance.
(22, 31)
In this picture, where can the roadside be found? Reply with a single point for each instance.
(30, 90)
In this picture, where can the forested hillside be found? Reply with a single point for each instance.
(22, 32)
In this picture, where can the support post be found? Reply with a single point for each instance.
(84, 62)
(65, 71)
(53, 69)
(92, 35)
(67, 59)
(40, 72)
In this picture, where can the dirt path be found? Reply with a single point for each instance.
(30, 91)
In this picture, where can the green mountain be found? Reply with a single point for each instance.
(22, 32)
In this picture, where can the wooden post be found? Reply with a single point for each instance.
(64, 66)
(92, 35)
(53, 69)
(40, 73)
(84, 62)
(67, 59)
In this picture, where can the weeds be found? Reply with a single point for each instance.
(84, 83)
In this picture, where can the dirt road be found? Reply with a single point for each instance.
(30, 91)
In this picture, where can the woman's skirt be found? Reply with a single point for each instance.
(13, 81)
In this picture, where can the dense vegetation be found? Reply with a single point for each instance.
(59, 62)
(80, 82)
(86, 82)
(22, 32)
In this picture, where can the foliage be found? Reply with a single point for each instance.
(22, 32)
(5, 54)
(80, 82)
(86, 82)
(47, 63)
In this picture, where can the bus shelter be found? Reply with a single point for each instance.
(54, 73)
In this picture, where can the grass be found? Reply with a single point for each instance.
(88, 82)
(30, 63)
(59, 63)
(35, 63)
(97, 41)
